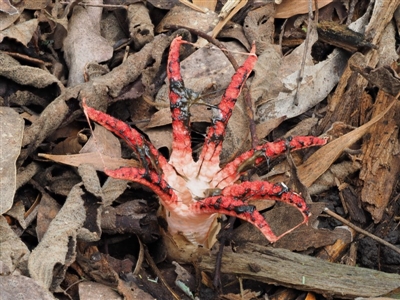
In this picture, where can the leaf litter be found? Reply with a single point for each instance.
(57, 223)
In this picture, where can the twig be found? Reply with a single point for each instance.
(358, 229)
(153, 266)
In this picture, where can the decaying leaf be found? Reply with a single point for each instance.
(289, 8)
(18, 286)
(84, 43)
(14, 253)
(93, 291)
(183, 15)
(141, 28)
(49, 261)
(12, 126)
(21, 32)
(5, 6)
(318, 82)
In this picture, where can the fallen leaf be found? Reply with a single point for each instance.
(12, 127)
(185, 16)
(97, 160)
(18, 286)
(49, 261)
(84, 44)
(89, 290)
(14, 253)
(289, 8)
(22, 32)
(5, 6)
(104, 142)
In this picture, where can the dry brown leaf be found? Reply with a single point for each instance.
(93, 291)
(25, 75)
(104, 142)
(22, 287)
(324, 157)
(84, 44)
(97, 160)
(49, 261)
(141, 28)
(161, 137)
(48, 208)
(289, 8)
(17, 211)
(22, 32)
(185, 16)
(318, 81)
(12, 126)
(5, 6)
(13, 252)
(209, 4)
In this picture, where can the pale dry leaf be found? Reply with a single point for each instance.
(12, 129)
(7, 20)
(318, 82)
(94, 291)
(48, 208)
(387, 46)
(209, 4)
(290, 8)
(13, 252)
(96, 159)
(141, 28)
(112, 189)
(36, 4)
(49, 261)
(90, 179)
(337, 171)
(50, 119)
(22, 287)
(268, 67)
(185, 16)
(8, 8)
(21, 32)
(104, 142)
(84, 44)
(25, 75)
(161, 137)
(17, 211)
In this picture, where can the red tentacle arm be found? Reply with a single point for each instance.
(147, 178)
(256, 190)
(181, 156)
(209, 157)
(149, 156)
(232, 171)
(235, 208)
(146, 152)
